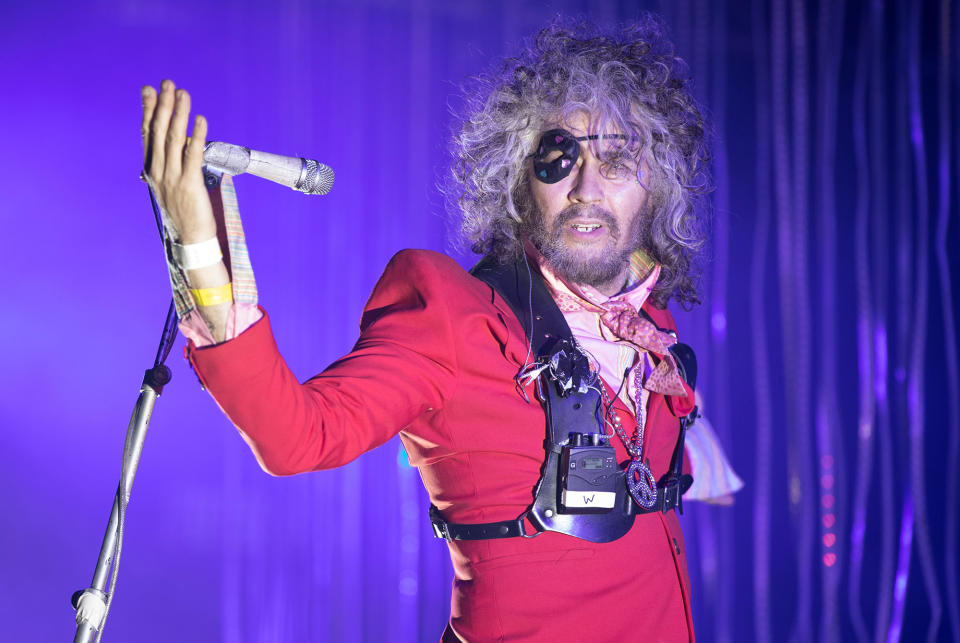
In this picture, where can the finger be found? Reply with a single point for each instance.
(149, 97)
(193, 153)
(177, 134)
(158, 129)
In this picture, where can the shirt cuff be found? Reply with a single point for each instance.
(240, 317)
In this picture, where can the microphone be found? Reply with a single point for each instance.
(305, 175)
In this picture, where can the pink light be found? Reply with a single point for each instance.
(828, 520)
(826, 481)
(829, 540)
(827, 501)
(829, 559)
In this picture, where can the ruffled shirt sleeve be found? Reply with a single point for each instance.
(244, 312)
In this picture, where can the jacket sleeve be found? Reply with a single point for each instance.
(402, 365)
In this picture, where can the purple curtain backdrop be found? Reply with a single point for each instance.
(827, 336)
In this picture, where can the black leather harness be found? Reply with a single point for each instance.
(566, 412)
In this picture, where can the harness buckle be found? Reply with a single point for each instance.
(439, 524)
(672, 497)
(522, 526)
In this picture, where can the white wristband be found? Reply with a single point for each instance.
(194, 256)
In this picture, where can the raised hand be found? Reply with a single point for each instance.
(172, 161)
(172, 165)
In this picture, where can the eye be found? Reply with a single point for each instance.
(617, 167)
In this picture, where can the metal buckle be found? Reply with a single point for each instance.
(671, 496)
(522, 524)
(440, 530)
(438, 523)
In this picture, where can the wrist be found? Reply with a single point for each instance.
(208, 277)
(196, 232)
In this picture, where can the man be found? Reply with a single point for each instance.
(577, 173)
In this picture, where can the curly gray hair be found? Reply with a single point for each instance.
(631, 82)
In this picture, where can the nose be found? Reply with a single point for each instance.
(587, 186)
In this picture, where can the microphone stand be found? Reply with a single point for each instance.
(93, 603)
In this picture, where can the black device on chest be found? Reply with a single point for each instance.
(589, 474)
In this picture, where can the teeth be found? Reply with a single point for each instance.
(579, 227)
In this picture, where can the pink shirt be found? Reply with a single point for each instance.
(240, 317)
(616, 357)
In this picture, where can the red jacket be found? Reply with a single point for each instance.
(435, 361)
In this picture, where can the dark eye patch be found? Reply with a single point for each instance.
(557, 153)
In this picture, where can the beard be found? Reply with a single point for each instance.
(595, 264)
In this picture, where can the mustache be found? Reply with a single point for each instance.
(579, 211)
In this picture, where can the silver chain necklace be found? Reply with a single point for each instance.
(640, 480)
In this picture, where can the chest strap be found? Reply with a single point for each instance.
(667, 498)
(545, 326)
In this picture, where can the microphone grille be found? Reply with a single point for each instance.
(315, 178)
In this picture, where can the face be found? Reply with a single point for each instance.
(588, 223)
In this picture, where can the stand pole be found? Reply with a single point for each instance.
(92, 603)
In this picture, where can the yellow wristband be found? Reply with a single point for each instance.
(213, 296)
